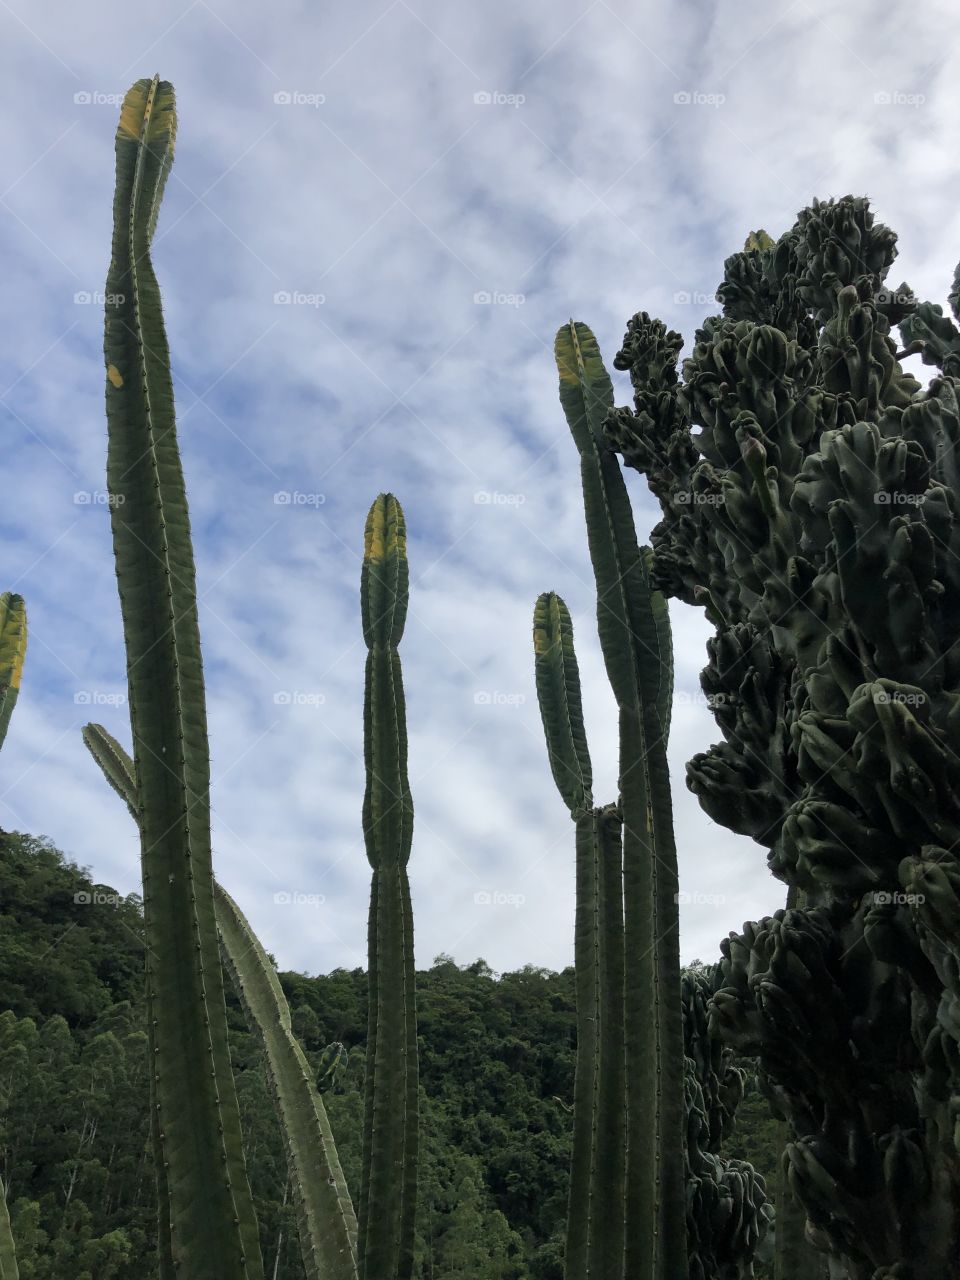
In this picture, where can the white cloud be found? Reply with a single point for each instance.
(399, 198)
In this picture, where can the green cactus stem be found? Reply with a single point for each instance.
(635, 638)
(13, 649)
(388, 1189)
(325, 1216)
(213, 1227)
(596, 1213)
(8, 1253)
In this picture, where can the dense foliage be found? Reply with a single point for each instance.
(497, 1068)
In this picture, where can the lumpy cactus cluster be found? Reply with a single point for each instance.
(816, 517)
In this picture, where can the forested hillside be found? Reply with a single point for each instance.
(497, 1068)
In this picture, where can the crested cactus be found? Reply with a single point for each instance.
(816, 517)
(13, 648)
(634, 635)
(325, 1217)
(596, 1215)
(213, 1228)
(728, 1215)
(388, 1189)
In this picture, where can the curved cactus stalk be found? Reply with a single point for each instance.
(388, 1187)
(8, 1254)
(635, 638)
(561, 707)
(326, 1220)
(212, 1222)
(13, 648)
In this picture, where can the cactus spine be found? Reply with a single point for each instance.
(635, 638)
(326, 1221)
(13, 649)
(388, 1187)
(213, 1227)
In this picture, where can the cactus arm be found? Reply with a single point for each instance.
(13, 648)
(561, 708)
(391, 1119)
(328, 1226)
(213, 1225)
(326, 1220)
(8, 1253)
(634, 630)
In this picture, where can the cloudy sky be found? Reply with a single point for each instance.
(377, 218)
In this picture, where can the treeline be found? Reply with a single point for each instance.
(497, 1069)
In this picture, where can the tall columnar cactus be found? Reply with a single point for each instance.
(388, 1190)
(816, 515)
(213, 1228)
(13, 649)
(596, 1216)
(635, 639)
(326, 1221)
(8, 1253)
